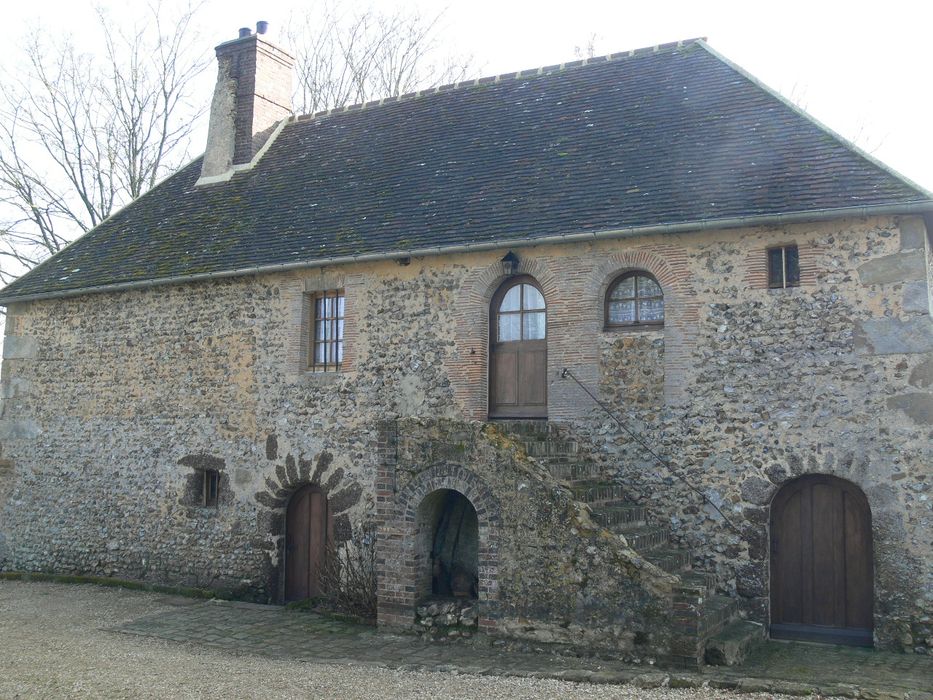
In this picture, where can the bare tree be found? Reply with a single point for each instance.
(351, 57)
(588, 48)
(82, 134)
(151, 72)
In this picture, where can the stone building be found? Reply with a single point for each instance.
(460, 323)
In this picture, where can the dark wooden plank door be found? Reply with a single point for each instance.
(518, 351)
(307, 527)
(821, 562)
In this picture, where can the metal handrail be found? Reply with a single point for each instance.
(565, 372)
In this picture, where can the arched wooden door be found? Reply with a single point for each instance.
(821, 562)
(518, 351)
(307, 534)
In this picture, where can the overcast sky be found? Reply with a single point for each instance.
(862, 69)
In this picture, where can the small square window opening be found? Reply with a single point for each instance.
(211, 485)
(783, 267)
(325, 349)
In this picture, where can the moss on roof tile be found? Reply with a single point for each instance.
(646, 139)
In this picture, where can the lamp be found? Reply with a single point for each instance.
(510, 261)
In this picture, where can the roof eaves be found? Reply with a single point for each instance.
(916, 207)
(816, 122)
(36, 270)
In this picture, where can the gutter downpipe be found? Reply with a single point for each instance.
(924, 207)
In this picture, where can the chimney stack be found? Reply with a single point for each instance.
(253, 94)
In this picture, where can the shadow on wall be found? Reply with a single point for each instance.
(448, 533)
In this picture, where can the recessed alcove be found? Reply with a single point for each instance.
(447, 546)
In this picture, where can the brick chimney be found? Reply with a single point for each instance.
(253, 94)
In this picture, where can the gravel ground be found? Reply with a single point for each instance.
(52, 646)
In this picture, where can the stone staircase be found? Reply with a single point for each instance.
(707, 626)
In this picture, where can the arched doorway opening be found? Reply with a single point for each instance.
(447, 546)
(308, 534)
(821, 562)
(518, 350)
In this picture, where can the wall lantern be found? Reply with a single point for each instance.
(510, 262)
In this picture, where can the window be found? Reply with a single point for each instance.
(521, 314)
(211, 483)
(783, 267)
(634, 299)
(325, 352)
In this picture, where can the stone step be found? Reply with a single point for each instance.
(622, 518)
(670, 559)
(697, 618)
(533, 428)
(595, 492)
(718, 611)
(551, 447)
(645, 538)
(574, 470)
(700, 582)
(731, 645)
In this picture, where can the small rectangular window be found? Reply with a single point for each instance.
(211, 485)
(325, 349)
(783, 267)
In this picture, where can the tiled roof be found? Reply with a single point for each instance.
(666, 136)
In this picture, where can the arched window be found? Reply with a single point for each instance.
(634, 299)
(520, 312)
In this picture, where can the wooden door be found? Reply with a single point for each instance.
(821, 562)
(518, 351)
(307, 534)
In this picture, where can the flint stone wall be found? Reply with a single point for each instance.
(112, 401)
(832, 377)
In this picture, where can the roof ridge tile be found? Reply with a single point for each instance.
(495, 79)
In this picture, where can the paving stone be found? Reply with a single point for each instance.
(651, 680)
(772, 667)
(755, 685)
(873, 694)
(791, 688)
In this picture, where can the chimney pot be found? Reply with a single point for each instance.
(262, 27)
(245, 32)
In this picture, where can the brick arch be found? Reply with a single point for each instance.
(398, 570)
(482, 286)
(456, 479)
(668, 265)
(672, 280)
(469, 370)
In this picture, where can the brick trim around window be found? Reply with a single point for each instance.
(326, 337)
(756, 265)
